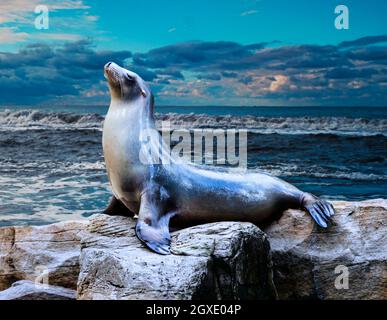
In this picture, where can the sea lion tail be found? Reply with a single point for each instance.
(320, 210)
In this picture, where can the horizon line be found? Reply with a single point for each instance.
(196, 106)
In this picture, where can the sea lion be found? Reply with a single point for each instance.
(181, 193)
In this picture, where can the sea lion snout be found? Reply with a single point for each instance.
(112, 72)
(111, 64)
(125, 85)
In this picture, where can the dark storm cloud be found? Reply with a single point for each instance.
(365, 41)
(352, 72)
(224, 56)
(337, 74)
(369, 54)
(228, 74)
(145, 73)
(249, 79)
(39, 72)
(173, 73)
(209, 76)
(194, 54)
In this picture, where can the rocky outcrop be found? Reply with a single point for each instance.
(228, 260)
(28, 290)
(47, 252)
(312, 263)
(220, 261)
(102, 259)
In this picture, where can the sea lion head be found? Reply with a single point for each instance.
(125, 85)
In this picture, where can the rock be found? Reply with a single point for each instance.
(103, 259)
(47, 251)
(305, 257)
(28, 290)
(221, 261)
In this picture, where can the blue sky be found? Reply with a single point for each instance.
(239, 52)
(157, 23)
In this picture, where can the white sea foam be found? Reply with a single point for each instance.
(33, 119)
(284, 170)
(281, 125)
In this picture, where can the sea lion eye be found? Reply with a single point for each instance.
(130, 78)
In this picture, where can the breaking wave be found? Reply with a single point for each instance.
(281, 125)
(286, 170)
(34, 119)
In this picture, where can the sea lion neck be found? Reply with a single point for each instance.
(136, 115)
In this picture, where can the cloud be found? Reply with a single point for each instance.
(365, 41)
(248, 13)
(375, 54)
(145, 73)
(228, 74)
(11, 35)
(91, 18)
(209, 76)
(18, 16)
(300, 74)
(40, 72)
(16, 10)
(277, 82)
(58, 36)
(199, 72)
(351, 73)
(195, 54)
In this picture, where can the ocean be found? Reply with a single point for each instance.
(52, 167)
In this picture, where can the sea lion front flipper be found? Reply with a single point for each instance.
(154, 237)
(152, 227)
(117, 208)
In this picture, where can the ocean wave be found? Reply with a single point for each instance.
(53, 166)
(34, 119)
(320, 173)
(279, 170)
(281, 125)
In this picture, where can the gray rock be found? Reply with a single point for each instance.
(28, 290)
(221, 261)
(305, 257)
(51, 251)
(226, 260)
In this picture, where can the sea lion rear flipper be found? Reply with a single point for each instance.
(152, 227)
(320, 210)
(117, 208)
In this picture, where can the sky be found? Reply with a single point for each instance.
(196, 52)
